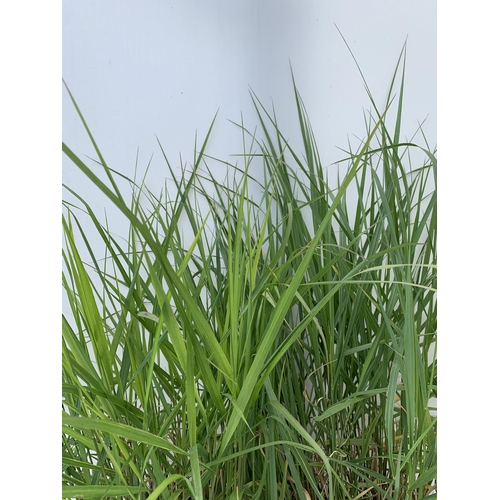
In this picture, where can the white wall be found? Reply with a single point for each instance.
(164, 67)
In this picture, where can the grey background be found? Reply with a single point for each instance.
(164, 68)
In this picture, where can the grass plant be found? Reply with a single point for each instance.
(241, 348)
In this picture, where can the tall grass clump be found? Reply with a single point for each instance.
(237, 347)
